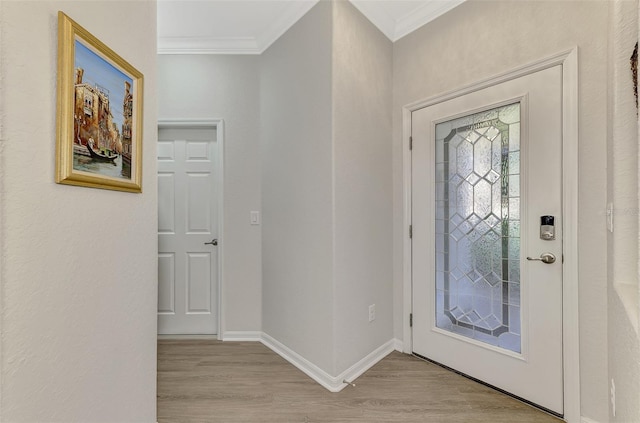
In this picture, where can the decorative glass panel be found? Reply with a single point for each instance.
(478, 226)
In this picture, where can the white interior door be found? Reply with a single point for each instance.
(485, 167)
(187, 228)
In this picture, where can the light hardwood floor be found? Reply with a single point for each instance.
(213, 381)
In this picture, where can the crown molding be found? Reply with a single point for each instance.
(385, 23)
(237, 45)
(423, 14)
(295, 11)
(208, 45)
(394, 29)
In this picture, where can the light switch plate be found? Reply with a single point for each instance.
(255, 218)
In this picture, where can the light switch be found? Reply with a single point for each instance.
(255, 218)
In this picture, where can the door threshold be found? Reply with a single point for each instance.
(495, 388)
(186, 337)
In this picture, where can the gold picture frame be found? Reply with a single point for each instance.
(99, 114)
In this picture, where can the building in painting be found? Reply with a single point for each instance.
(93, 118)
(127, 113)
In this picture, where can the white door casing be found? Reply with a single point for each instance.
(569, 297)
(189, 206)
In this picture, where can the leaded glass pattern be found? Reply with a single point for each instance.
(478, 226)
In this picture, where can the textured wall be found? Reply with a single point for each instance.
(622, 173)
(297, 183)
(480, 39)
(362, 88)
(226, 87)
(79, 281)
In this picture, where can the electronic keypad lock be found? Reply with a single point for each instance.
(547, 228)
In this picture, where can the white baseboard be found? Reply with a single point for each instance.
(253, 336)
(186, 337)
(587, 420)
(304, 365)
(398, 345)
(353, 372)
(331, 383)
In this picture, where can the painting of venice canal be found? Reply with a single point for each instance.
(103, 110)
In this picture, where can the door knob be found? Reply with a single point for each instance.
(546, 258)
(212, 242)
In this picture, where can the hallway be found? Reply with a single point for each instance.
(212, 381)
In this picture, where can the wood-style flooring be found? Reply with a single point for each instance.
(213, 381)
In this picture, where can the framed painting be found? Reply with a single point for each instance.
(99, 116)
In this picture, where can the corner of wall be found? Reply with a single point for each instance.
(328, 381)
(2, 210)
(295, 106)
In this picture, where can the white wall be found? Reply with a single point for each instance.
(326, 183)
(622, 173)
(79, 281)
(226, 87)
(449, 53)
(363, 266)
(297, 183)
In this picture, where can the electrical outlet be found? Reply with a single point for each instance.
(613, 397)
(372, 312)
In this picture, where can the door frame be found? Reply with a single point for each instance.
(571, 343)
(218, 126)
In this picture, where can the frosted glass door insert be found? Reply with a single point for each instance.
(477, 226)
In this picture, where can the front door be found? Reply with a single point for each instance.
(486, 172)
(187, 228)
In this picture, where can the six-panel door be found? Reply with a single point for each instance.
(187, 224)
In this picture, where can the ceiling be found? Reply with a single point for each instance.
(251, 26)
